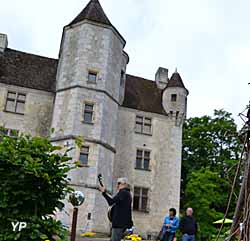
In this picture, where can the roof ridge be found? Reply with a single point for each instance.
(37, 55)
(140, 77)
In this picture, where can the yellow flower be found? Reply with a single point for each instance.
(133, 237)
(88, 234)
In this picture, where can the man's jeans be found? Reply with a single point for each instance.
(117, 234)
(169, 236)
(187, 237)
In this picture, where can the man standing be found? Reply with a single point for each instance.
(188, 226)
(122, 211)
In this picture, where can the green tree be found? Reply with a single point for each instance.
(203, 191)
(211, 150)
(33, 181)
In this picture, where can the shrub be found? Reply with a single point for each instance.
(33, 181)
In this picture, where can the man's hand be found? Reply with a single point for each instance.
(168, 225)
(102, 189)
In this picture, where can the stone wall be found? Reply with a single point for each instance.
(163, 179)
(178, 108)
(38, 111)
(89, 47)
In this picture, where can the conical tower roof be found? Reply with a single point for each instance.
(93, 12)
(176, 81)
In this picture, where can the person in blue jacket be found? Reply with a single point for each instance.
(170, 225)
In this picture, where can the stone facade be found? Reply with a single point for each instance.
(163, 177)
(38, 111)
(91, 44)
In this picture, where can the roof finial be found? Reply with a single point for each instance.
(176, 70)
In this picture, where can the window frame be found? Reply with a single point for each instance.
(16, 101)
(143, 124)
(7, 132)
(141, 196)
(85, 153)
(143, 158)
(84, 110)
(92, 72)
(173, 97)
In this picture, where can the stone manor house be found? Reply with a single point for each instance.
(132, 126)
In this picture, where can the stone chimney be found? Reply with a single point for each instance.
(161, 78)
(3, 42)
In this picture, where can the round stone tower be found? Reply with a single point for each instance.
(174, 98)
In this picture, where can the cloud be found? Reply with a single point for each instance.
(207, 40)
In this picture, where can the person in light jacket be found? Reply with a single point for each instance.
(170, 225)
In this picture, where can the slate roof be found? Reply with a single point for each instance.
(143, 94)
(176, 81)
(94, 12)
(37, 72)
(28, 70)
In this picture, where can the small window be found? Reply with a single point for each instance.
(139, 124)
(142, 159)
(92, 77)
(15, 102)
(122, 80)
(88, 113)
(143, 125)
(140, 201)
(9, 132)
(174, 97)
(84, 155)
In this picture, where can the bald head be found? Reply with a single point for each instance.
(189, 212)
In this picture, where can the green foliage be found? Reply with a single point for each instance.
(33, 181)
(203, 191)
(210, 152)
(38, 229)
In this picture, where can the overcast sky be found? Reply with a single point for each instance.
(207, 40)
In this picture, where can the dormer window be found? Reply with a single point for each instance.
(92, 77)
(173, 97)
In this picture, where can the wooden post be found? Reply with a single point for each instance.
(74, 223)
(241, 205)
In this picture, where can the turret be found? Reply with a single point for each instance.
(174, 97)
(92, 53)
(90, 87)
